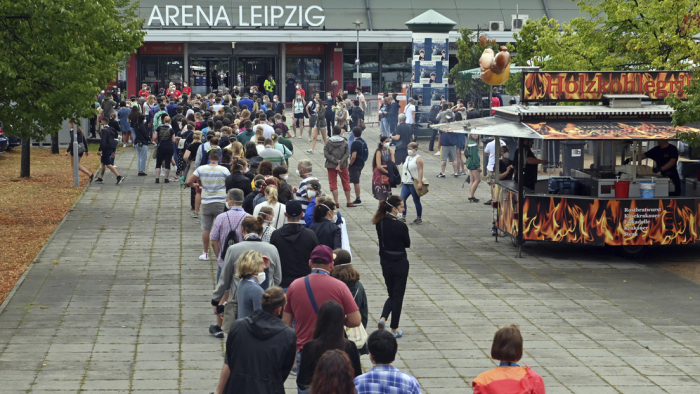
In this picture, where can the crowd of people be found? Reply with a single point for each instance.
(288, 298)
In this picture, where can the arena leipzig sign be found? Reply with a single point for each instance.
(253, 16)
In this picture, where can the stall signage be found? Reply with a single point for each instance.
(608, 130)
(576, 153)
(306, 49)
(161, 48)
(591, 86)
(252, 16)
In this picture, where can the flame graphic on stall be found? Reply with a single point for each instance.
(614, 222)
(572, 86)
(608, 130)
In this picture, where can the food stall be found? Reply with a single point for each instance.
(615, 200)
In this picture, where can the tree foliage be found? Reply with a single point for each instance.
(57, 54)
(470, 46)
(616, 35)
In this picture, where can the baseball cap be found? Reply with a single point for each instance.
(294, 208)
(322, 252)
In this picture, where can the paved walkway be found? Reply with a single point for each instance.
(118, 302)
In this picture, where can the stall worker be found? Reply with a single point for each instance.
(531, 163)
(665, 156)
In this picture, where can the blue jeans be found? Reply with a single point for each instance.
(141, 157)
(384, 125)
(133, 134)
(218, 274)
(407, 190)
(300, 391)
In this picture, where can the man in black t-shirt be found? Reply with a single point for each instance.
(665, 156)
(357, 161)
(531, 163)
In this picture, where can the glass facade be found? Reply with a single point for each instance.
(369, 63)
(159, 71)
(396, 67)
(310, 71)
(390, 58)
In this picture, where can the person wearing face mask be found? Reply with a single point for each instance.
(251, 273)
(304, 171)
(285, 193)
(237, 179)
(327, 232)
(393, 239)
(330, 115)
(268, 215)
(227, 285)
(259, 350)
(272, 202)
(313, 193)
(298, 106)
(269, 85)
(277, 105)
(381, 189)
(412, 171)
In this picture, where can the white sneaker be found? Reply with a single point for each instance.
(123, 145)
(437, 153)
(204, 256)
(310, 151)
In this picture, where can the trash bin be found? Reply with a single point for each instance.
(572, 155)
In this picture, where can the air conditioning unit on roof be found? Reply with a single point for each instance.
(517, 21)
(497, 26)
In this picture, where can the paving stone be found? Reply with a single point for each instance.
(129, 316)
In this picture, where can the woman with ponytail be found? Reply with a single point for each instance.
(393, 239)
(272, 201)
(237, 179)
(327, 232)
(259, 349)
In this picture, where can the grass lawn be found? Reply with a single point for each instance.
(31, 209)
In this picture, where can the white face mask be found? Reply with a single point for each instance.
(261, 277)
(387, 145)
(311, 194)
(284, 177)
(506, 155)
(329, 97)
(275, 100)
(411, 152)
(298, 97)
(298, 173)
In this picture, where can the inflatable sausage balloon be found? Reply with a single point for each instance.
(495, 69)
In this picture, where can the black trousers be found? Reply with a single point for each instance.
(164, 156)
(395, 276)
(330, 121)
(193, 194)
(432, 140)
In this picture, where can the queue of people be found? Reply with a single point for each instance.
(288, 299)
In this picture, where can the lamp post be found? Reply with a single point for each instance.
(357, 58)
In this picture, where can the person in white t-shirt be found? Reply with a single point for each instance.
(268, 131)
(410, 111)
(490, 150)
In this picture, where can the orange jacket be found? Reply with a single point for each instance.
(509, 380)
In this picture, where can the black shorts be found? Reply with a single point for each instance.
(299, 116)
(355, 172)
(164, 157)
(106, 157)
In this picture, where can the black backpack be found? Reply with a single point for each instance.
(231, 238)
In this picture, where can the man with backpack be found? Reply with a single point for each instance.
(432, 119)
(159, 116)
(226, 230)
(107, 150)
(359, 153)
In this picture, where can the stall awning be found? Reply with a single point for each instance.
(613, 130)
(489, 126)
(558, 130)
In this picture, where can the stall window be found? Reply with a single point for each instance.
(369, 63)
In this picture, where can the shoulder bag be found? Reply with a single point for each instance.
(357, 334)
(230, 312)
(422, 191)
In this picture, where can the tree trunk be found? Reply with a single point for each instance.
(24, 161)
(54, 144)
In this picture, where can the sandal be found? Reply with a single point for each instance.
(381, 325)
(398, 334)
